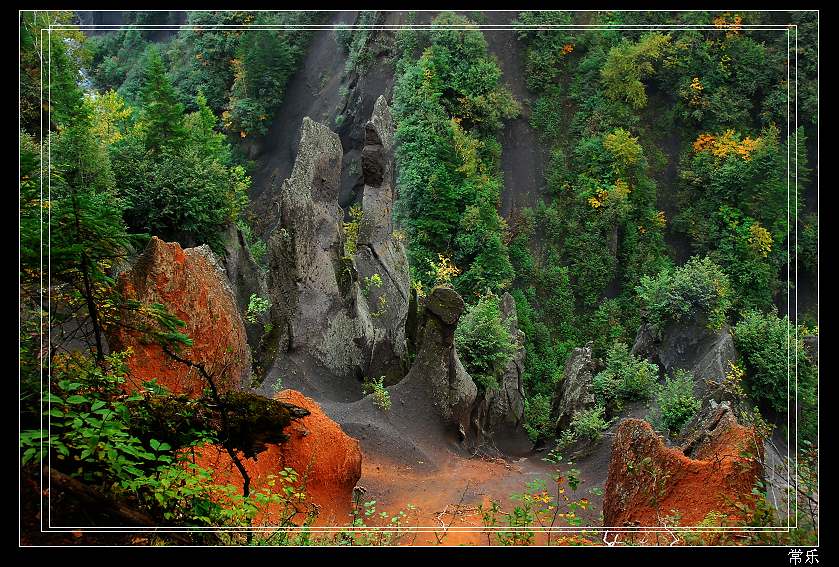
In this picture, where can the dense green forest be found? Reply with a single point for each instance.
(608, 153)
(679, 189)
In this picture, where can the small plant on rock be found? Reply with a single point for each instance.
(626, 377)
(698, 290)
(351, 230)
(590, 424)
(370, 282)
(257, 306)
(444, 271)
(376, 387)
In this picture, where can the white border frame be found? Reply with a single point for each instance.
(572, 27)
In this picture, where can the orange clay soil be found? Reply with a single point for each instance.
(327, 460)
(447, 499)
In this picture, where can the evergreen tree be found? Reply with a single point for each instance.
(163, 116)
(201, 127)
(87, 231)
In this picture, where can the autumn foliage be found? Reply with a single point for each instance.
(726, 144)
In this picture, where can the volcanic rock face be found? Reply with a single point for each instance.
(573, 393)
(649, 483)
(502, 410)
(449, 386)
(311, 282)
(379, 254)
(326, 303)
(327, 461)
(192, 285)
(245, 279)
(690, 346)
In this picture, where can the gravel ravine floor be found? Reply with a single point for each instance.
(409, 459)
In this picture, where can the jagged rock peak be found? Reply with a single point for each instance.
(376, 156)
(690, 345)
(346, 311)
(310, 280)
(450, 387)
(192, 285)
(648, 480)
(380, 254)
(573, 392)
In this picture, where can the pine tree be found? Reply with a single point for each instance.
(203, 136)
(162, 114)
(57, 73)
(88, 231)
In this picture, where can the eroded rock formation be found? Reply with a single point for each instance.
(310, 280)
(573, 392)
(345, 312)
(649, 484)
(326, 460)
(448, 385)
(192, 285)
(245, 278)
(690, 346)
(380, 256)
(501, 411)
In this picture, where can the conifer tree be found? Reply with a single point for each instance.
(163, 116)
(83, 215)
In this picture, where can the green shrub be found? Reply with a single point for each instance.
(764, 341)
(698, 289)
(628, 63)
(343, 36)
(257, 306)
(259, 251)
(544, 357)
(625, 378)
(675, 401)
(173, 195)
(808, 244)
(103, 437)
(606, 388)
(537, 416)
(177, 181)
(591, 264)
(358, 42)
(566, 439)
(590, 424)
(257, 246)
(351, 230)
(612, 321)
(449, 106)
(483, 342)
(264, 61)
(370, 282)
(381, 397)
